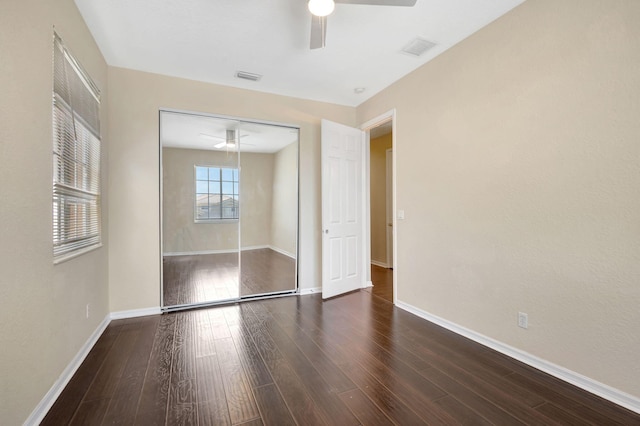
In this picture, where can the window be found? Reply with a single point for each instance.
(216, 193)
(76, 157)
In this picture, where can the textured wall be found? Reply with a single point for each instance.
(518, 167)
(43, 306)
(284, 217)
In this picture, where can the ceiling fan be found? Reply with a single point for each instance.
(320, 9)
(229, 142)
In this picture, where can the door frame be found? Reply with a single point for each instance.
(366, 127)
(388, 160)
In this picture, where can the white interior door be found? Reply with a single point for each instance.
(342, 219)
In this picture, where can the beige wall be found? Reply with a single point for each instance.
(378, 200)
(284, 218)
(518, 167)
(256, 198)
(134, 101)
(180, 232)
(43, 306)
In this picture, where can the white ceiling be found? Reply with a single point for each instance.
(209, 40)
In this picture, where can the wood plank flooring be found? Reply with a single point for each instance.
(382, 279)
(354, 359)
(203, 278)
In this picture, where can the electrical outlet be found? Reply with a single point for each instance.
(88, 310)
(523, 320)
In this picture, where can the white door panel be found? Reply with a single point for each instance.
(342, 192)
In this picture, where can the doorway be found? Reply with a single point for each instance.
(346, 207)
(381, 208)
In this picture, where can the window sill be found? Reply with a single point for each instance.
(216, 221)
(68, 256)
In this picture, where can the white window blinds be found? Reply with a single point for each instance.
(76, 157)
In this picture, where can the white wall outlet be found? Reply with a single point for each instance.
(400, 214)
(523, 320)
(88, 310)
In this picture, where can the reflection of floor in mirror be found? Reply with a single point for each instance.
(211, 277)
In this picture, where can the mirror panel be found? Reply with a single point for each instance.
(269, 205)
(229, 209)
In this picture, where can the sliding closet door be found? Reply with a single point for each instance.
(229, 209)
(268, 209)
(200, 209)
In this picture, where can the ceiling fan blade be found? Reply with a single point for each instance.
(207, 136)
(318, 31)
(220, 145)
(407, 3)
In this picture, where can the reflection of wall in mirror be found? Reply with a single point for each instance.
(284, 219)
(181, 235)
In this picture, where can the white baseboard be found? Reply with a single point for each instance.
(135, 313)
(286, 253)
(247, 248)
(41, 410)
(368, 284)
(312, 290)
(605, 391)
(380, 264)
(200, 252)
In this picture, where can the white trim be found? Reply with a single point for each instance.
(368, 284)
(388, 203)
(382, 118)
(380, 264)
(41, 410)
(198, 252)
(134, 313)
(312, 290)
(247, 248)
(61, 258)
(286, 253)
(605, 391)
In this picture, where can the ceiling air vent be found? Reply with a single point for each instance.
(248, 76)
(417, 46)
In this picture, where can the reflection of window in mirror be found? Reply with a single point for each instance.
(216, 193)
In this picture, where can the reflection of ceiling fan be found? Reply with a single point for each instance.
(320, 9)
(229, 142)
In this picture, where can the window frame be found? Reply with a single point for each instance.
(235, 182)
(76, 158)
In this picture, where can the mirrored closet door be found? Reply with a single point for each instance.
(229, 191)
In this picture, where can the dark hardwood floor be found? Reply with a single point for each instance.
(382, 279)
(354, 359)
(203, 278)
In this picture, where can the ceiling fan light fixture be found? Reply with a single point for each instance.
(321, 7)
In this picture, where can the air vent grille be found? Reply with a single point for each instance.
(248, 76)
(418, 46)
